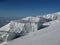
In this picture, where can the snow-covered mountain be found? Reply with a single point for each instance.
(31, 30)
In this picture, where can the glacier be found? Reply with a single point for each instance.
(24, 26)
(46, 36)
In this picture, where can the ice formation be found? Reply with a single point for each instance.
(26, 25)
(20, 27)
(46, 36)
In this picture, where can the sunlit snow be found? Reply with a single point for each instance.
(38, 30)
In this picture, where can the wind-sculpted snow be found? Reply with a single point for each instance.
(53, 16)
(19, 28)
(46, 36)
(24, 26)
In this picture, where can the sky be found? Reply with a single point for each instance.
(23, 8)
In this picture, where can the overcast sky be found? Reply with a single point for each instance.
(22, 8)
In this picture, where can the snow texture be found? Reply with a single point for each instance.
(32, 26)
(46, 36)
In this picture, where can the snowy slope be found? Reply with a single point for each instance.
(30, 26)
(18, 28)
(46, 36)
(5, 28)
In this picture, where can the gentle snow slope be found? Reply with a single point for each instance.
(46, 36)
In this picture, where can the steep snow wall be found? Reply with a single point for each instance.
(18, 27)
(26, 25)
(46, 36)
